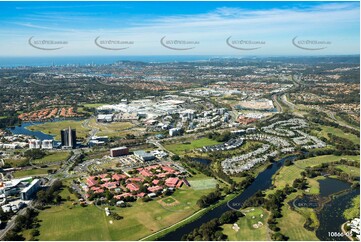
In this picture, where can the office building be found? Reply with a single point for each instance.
(144, 156)
(28, 192)
(175, 131)
(47, 144)
(34, 144)
(119, 151)
(68, 138)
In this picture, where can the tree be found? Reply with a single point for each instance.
(279, 237)
(146, 199)
(175, 157)
(58, 199)
(230, 217)
(35, 232)
(226, 190)
(13, 236)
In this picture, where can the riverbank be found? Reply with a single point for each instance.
(193, 217)
(261, 182)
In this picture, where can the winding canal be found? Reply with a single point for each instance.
(262, 182)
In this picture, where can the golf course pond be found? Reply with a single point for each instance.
(334, 198)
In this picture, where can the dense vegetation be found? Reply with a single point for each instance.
(211, 231)
(23, 222)
(50, 195)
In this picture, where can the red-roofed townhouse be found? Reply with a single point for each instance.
(168, 169)
(135, 179)
(99, 191)
(90, 181)
(146, 173)
(118, 177)
(171, 181)
(155, 188)
(102, 176)
(142, 194)
(132, 187)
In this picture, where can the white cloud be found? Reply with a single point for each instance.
(275, 26)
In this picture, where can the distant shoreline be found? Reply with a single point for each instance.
(49, 61)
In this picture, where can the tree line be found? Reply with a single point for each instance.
(212, 231)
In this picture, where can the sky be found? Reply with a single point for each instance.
(179, 28)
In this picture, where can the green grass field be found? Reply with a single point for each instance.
(338, 132)
(15, 162)
(291, 223)
(353, 171)
(182, 148)
(33, 172)
(52, 157)
(54, 128)
(354, 210)
(115, 129)
(68, 222)
(314, 185)
(247, 232)
(168, 200)
(202, 184)
(93, 105)
(287, 174)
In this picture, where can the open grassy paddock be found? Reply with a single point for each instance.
(114, 129)
(181, 148)
(33, 172)
(246, 230)
(93, 105)
(52, 157)
(14, 162)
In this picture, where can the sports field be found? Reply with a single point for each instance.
(168, 200)
(248, 231)
(202, 184)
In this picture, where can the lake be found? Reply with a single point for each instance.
(23, 130)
